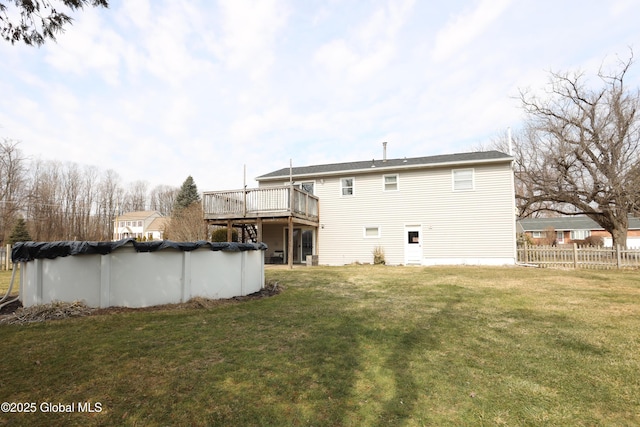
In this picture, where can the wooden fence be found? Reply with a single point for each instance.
(573, 256)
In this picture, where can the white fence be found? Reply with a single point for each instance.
(573, 256)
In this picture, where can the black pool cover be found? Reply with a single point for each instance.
(28, 251)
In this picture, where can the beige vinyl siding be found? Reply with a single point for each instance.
(470, 226)
(343, 218)
(455, 225)
(273, 236)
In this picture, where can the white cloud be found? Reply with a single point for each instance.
(158, 90)
(87, 47)
(249, 30)
(466, 27)
(370, 47)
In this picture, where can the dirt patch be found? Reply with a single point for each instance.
(14, 313)
(11, 307)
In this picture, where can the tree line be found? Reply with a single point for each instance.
(68, 201)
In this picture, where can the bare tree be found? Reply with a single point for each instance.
(136, 197)
(162, 199)
(582, 153)
(44, 207)
(12, 179)
(187, 224)
(110, 194)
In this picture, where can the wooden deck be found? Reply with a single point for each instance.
(251, 204)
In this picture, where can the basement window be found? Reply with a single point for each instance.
(371, 232)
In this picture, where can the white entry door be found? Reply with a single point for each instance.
(413, 244)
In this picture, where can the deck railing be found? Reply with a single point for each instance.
(259, 202)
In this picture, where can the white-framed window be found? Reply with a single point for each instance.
(390, 182)
(580, 234)
(346, 186)
(308, 186)
(371, 232)
(462, 179)
(538, 234)
(560, 237)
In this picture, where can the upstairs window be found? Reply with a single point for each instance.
(390, 182)
(346, 185)
(462, 179)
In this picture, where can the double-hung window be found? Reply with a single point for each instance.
(346, 185)
(390, 182)
(462, 179)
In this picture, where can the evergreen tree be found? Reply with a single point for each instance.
(39, 19)
(187, 195)
(20, 232)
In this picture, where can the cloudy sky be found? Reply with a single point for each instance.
(159, 90)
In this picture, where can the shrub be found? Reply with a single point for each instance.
(220, 235)
(594, 241)
(523, 238)
(378, 256)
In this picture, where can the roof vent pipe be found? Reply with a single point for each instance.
(384, 151)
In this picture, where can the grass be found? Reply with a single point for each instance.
(350, 346)
(5, 281)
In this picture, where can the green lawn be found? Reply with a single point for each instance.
(5, 281)
(350, 346)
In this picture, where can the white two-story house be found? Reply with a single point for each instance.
(445, 209)
(141, 225)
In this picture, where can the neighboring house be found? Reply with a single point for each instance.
(447, 209)
(568, 229)
(147, 225)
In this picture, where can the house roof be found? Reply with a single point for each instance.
(138, 215)
(389, 164)
(158, 224)
(567, 223)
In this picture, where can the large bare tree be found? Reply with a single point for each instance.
(582, 151)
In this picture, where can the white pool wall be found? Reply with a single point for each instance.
(126, 278)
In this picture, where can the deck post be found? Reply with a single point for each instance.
(290, 244)
(229, 231)
(259, 229)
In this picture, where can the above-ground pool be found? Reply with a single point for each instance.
(127, 273)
